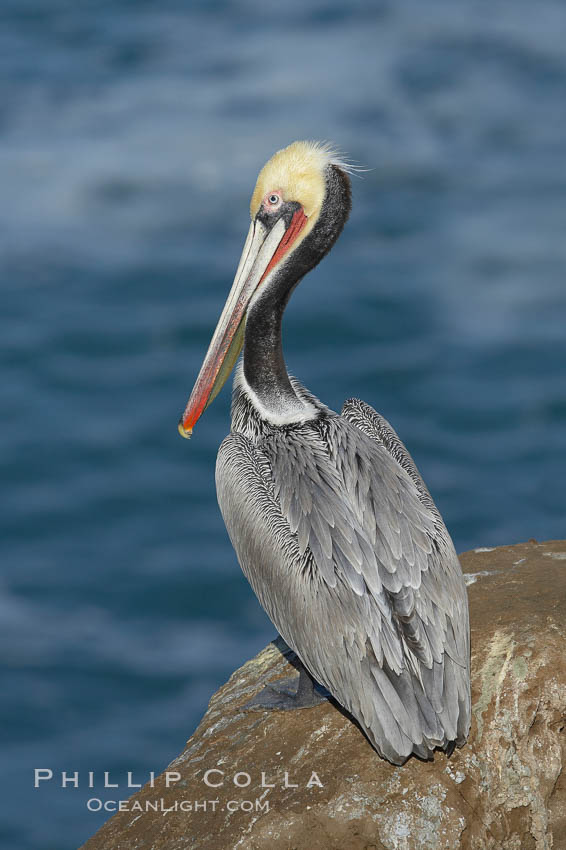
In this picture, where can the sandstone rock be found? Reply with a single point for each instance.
(505, 790)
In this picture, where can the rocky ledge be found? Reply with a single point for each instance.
(309, 779)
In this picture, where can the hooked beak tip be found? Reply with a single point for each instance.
(184, 432)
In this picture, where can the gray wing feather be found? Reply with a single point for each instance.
(345, 550)
(434, 602)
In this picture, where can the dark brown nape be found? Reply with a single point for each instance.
(264, 364)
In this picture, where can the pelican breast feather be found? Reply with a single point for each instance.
(346, 551)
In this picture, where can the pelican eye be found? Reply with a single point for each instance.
(274, 199)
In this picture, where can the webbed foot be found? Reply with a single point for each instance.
(287, 694)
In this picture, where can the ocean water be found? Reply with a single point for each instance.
(131, 134)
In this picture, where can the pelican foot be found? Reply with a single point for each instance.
(287, 694)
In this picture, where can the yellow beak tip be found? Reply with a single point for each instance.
(185, 432)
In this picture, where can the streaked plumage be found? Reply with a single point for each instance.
(336, 531)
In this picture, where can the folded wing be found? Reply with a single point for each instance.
(348, 555)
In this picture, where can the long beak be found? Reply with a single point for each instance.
(263, 249)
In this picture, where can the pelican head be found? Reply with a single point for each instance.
(298, 208)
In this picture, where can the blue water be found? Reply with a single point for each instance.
(131, 134)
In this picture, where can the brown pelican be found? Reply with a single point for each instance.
(331, 522)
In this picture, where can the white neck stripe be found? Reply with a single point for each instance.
(302, 412)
